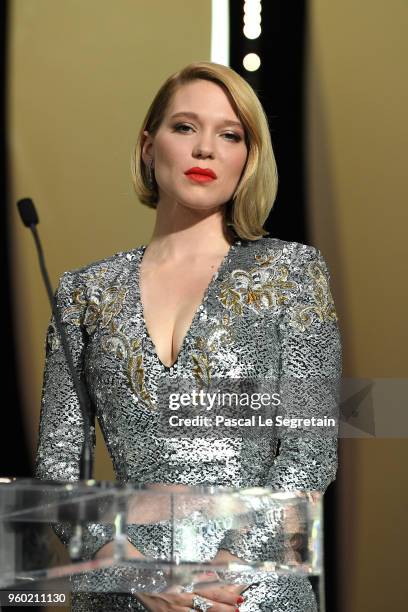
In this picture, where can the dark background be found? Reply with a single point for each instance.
(280, 85)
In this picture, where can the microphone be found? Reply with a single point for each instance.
(30, 219)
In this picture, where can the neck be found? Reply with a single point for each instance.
(180, 232)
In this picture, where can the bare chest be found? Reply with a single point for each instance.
(170, 299)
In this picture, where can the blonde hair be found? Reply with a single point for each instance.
(255, 193)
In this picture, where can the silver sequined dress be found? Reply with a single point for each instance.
(267, 312)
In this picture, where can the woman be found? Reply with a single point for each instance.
(209, 297)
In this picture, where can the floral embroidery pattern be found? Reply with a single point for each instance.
(260, 287)
(201, 367)
(323, 305)
(267, 286)
(219, 334)
(95, 305)
(129, 351)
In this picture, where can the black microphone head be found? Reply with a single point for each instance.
(27, 212)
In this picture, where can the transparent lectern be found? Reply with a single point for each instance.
(279, 532)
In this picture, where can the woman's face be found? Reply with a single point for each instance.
(212, 138)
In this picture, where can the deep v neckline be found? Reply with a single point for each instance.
(141, 250)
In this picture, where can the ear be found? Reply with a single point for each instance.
(147, 147)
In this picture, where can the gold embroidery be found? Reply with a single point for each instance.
(324, 305)
(218, 334)
(260, 287)
(266, 261)
(129, 351)
(201, 368)
(93, 305)
(101, 306)
(267, 285)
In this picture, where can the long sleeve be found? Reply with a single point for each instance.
(60, 429)
(309, 384)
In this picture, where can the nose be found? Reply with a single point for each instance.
(203, 149)
(203, 152)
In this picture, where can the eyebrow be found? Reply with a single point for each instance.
(195, 116)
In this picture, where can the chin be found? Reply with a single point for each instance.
(199, 206)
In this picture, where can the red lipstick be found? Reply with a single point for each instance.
(201, 175)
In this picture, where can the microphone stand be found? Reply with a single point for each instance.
(30, 219)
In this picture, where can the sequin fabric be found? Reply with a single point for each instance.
(267, 312)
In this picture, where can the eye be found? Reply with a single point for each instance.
(182, 125)
(233, 136)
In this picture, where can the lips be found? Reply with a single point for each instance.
(200, 178)
(201, 172)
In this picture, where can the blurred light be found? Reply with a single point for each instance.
(249, 19)
(252, 31)
(252, 5)
(220, 32)
(251, 62)
(252, 19)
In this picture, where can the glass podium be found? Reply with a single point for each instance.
(179, 530)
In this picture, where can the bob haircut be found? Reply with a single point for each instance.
(255, 194)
